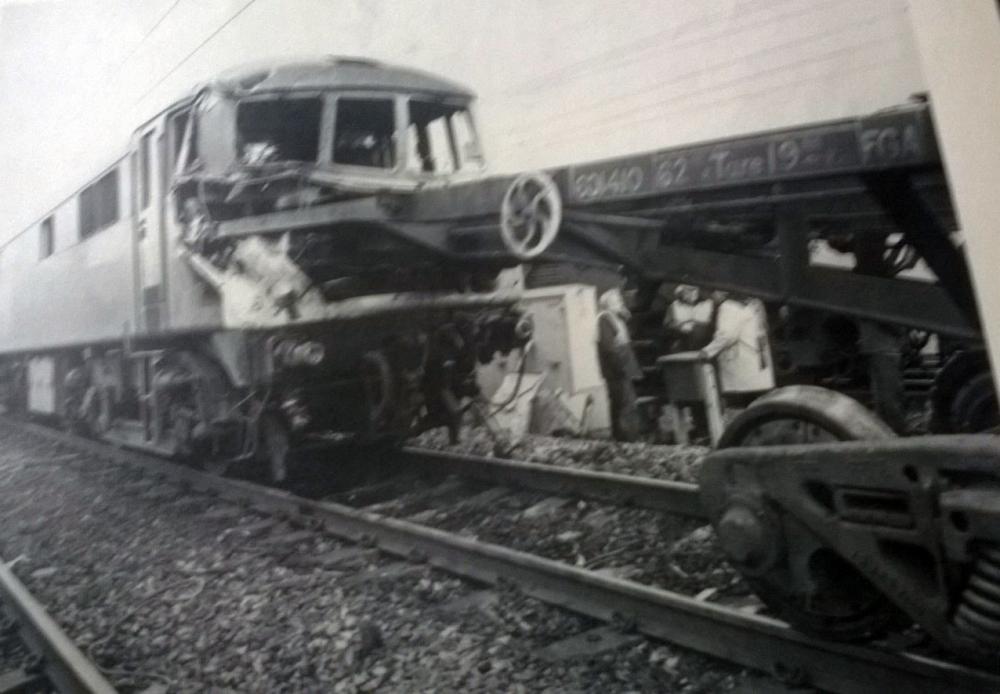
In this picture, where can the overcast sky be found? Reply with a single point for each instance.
(558, 80)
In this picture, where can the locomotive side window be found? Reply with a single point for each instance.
(145, 165)
(98, 204)
(278, 130)
(440, 138)
(178, 135)
(46, 238)
(364, 133)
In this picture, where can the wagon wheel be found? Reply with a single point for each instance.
(963, 399)
(806, 583)
(530, 215)
(803, 414)
(974, 408)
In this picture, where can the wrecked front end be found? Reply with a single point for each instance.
(362, 311)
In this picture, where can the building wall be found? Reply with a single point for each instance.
(566, 81)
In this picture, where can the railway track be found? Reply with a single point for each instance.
(640, 492)
(55, 663)
(749, 640)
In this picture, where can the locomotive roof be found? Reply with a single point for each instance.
(333, 72)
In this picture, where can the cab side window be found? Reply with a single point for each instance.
(98, 204)
(46, 238)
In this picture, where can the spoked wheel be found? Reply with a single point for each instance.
(530, 215)
(806, 583)
(274, 449)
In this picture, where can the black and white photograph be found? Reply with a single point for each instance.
(499, 346)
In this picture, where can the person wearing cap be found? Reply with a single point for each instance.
(688, 322)
(619, 365)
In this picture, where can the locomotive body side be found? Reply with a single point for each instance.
(65, 290)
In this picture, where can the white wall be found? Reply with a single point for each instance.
(568, 81)
(559, 80)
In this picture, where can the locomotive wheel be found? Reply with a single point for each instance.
(379, 383)
(807, 584)
(274, 449)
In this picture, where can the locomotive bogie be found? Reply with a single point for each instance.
(207, 396)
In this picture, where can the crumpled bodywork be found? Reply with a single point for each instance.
(358, 310)
(263, 288)
(278, 144)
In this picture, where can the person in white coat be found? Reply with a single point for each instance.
(741, 349)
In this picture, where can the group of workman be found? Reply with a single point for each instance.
(728, 331)
(732, 333)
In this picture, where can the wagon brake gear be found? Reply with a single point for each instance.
(530, 215)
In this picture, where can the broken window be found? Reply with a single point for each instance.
(98, 204)
(364, 133)
(46, 238)
(441, 138)
(278, 130)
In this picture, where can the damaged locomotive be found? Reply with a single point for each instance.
(255, 272)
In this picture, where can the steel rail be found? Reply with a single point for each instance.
(640, 492)
(64, 666)
(752, 641)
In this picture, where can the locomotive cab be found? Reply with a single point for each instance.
(342, 125)
(266, 154)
